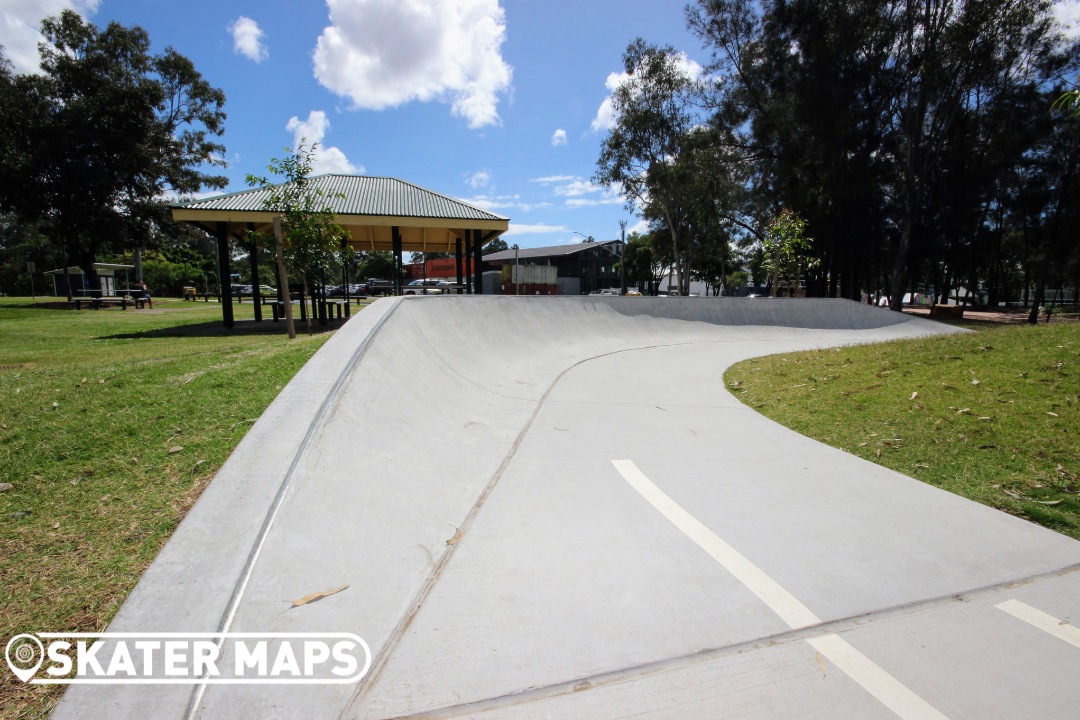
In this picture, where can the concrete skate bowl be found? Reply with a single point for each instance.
(388, 465)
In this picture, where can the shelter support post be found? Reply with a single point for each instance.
(457, 257)
(345, 257)
(468, 279)
(477, 269)
(396, 239)
(224, 274)
(253, 258)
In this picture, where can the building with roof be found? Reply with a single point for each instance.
(581, 268)
(377, 214)
(76, 278)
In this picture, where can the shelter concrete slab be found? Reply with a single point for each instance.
(457, 473)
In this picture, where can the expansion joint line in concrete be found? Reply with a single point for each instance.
(645, 670)
(286, 481)
(384, 655)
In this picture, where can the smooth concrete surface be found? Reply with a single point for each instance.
(450, 459)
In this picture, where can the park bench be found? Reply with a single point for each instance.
(96, 303)
(336, 308)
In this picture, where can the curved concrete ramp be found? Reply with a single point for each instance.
(552, 507)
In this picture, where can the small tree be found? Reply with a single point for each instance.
(787, 250)
(654, 114)
(305, 231)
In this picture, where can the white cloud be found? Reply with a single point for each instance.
(580, 192)
(605, 114)
(384, 53)
(577, 188)
(479, 179)
(589, 202)
(559, 138)
(641, 228)
(247, 39)
(553, 179)
(20, 22)
(326, 159)
(504, 202)
(516, 229)
(1068, 14)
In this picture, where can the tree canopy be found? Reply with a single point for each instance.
(103, 135)
(914, 137)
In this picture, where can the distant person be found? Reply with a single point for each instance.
(146, 294)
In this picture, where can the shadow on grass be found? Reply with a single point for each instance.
(216, 329)
(51, 305)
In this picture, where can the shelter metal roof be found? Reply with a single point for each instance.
(544, 252)
(367, 207)
(76, 270)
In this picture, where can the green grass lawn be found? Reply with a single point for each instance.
(992, 415)
(111, 424)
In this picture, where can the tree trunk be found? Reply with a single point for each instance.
(283, 279)
(307, 294)
(1040, 291)
(896, 277)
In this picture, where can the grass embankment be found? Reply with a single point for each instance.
(992, 415)
(112, 422)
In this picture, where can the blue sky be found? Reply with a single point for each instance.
(494, 102)
(497, 102)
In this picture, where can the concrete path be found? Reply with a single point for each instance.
(552, 507)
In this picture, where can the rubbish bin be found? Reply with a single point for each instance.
(189, 293)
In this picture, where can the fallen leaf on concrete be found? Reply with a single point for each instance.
(308, 599)
(457, 536)
(821, 664)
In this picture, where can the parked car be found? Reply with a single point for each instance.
(422, 287)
